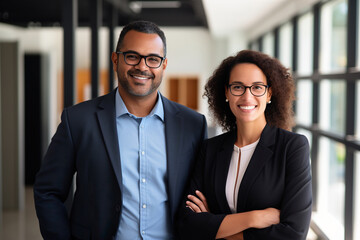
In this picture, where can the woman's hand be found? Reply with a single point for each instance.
(265, 218)
(197, 204)
(234, 224)
(238, 236)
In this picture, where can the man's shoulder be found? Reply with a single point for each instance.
(179, 108)
(92, 104)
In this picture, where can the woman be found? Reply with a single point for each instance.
(244, 177)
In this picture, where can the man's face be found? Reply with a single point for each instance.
(140, 80)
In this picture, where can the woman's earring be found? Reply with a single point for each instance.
(269, 101)
(226, 100)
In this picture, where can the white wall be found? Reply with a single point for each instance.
(47, 41)
(191, 52)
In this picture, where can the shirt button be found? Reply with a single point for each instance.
(143, 180)
(144, 206)
(143, 232)
(142, 152)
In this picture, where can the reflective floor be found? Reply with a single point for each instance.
(24, 225)
(21, 225)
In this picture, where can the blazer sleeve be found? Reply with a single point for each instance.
(190, 225)
(53, 182)
(296, 206)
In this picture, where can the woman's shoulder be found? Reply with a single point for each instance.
(221, 137)
(290, 138)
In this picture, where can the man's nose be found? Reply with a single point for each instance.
(142, 64)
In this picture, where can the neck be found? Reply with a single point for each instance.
(139, 106)
(248, 133)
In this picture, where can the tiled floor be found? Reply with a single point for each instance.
(24, 225)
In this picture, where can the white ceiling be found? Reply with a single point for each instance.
(251, 17)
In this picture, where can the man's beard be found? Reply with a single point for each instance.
(123, 81)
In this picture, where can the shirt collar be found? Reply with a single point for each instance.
(121, 109)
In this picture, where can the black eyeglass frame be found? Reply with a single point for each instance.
(249, 87)
(141, 57)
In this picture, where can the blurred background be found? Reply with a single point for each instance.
(56, 53)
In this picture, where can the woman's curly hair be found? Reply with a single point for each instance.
(278, 113)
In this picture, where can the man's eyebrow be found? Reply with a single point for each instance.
(151, 54)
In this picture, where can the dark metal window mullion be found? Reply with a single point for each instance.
(352, 49)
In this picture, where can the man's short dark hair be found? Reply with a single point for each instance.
(144, 27)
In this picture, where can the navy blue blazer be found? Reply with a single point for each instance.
(86, 142)
(278, 176)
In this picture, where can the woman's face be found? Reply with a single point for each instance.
(247, 107)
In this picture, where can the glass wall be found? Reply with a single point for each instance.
(285, 49)
(358, 40)
(254, 46)
(305, 42)
(327, 107)
(304, 93)
(332, 105)
(357, 111)
(357, 165)
(333, 36)
(357, 196)
(331, 185)
(268, 44)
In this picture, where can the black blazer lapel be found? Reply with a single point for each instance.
(223, 158)
(261, 156)
(173, 135)
(107, 123)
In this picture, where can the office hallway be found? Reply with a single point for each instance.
(21, 225)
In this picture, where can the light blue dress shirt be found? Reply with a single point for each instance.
(145, 211)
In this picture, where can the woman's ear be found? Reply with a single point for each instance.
(226, 93)
(269, 94)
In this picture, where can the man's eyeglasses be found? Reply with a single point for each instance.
(257, 90)
(133, 59)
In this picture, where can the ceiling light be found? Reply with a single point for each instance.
(136, 6)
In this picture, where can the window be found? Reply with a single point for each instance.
(322, 78)
(357, 116)
(358, 39)
(357, 196)
(331, 188)
(357, 167)
(304, 102)
(333, 36)
(305, 44)
(254, 46)
(286, 41)
(268, 44)
(332, 105)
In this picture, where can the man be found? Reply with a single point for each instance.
(132, 151)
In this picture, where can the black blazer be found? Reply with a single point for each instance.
(86, 142)
(278, 176)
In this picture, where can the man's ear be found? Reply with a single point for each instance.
(164, 64)
(114, 59)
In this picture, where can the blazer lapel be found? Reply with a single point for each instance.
(107, 122)
(223, 158)
(261, 156)
(173, 135)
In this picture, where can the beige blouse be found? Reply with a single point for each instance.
(239, 161)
